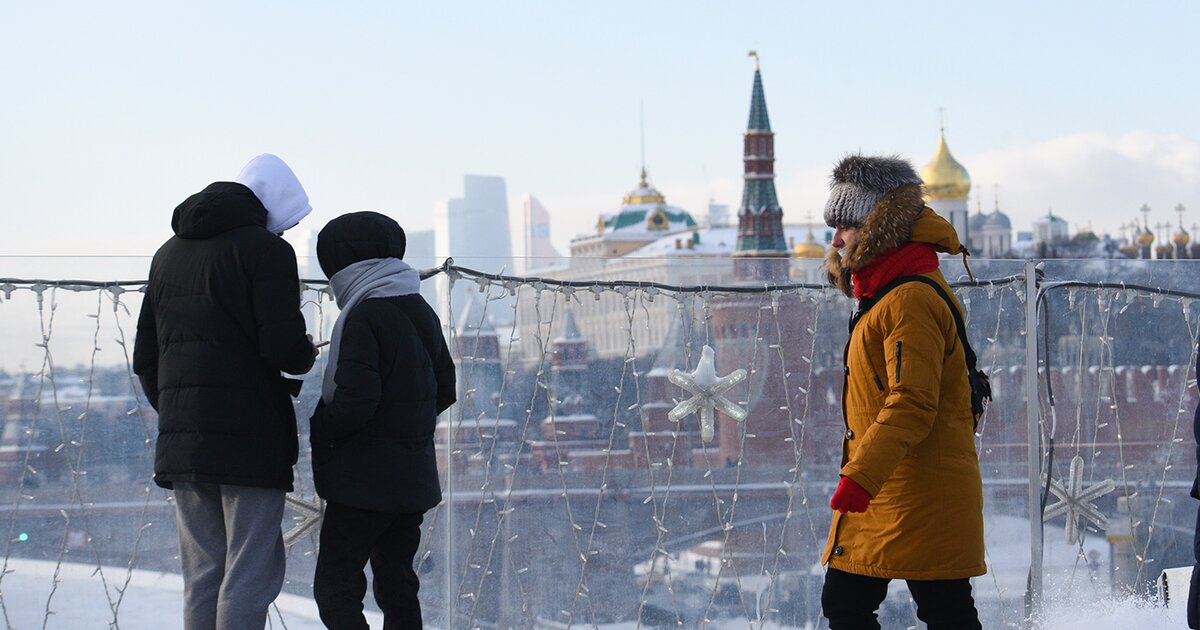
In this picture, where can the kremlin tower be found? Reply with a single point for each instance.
(762, 251)
(742, 330)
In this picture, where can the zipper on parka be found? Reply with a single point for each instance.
(899, 358)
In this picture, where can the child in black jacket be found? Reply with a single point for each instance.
(389, 375)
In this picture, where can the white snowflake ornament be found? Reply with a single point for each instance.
(707, 390)
(1076, 502)
(311, 513)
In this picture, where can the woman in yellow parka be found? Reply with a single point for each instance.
(909, 504)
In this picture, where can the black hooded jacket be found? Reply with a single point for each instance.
(1193, 602)
(220, 320)
(373, 443)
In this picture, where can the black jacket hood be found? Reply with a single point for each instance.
(220, 207)
(358, 236)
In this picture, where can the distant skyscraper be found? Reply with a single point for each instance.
(473, 230)
(420, 252)
(304, 241)
(539, 251)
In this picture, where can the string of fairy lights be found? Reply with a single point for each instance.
(484, 549)
(631, 297)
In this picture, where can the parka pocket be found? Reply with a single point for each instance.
(899, 358)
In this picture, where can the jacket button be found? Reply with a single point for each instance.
(837, 551)
(849, 434)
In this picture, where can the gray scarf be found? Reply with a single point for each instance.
(365, 279)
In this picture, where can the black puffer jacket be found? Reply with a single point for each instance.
(373, 443)
(219, 322)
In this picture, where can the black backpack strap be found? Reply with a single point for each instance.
(866, 303)
(958, 320)
(980, 388)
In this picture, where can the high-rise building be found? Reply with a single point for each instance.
(539, 251)
(420, 252)
(473, 230)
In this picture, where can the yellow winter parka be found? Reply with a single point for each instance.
(909, 437)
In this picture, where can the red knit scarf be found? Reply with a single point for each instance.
(906, 260)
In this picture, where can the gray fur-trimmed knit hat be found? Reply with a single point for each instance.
(859, 182)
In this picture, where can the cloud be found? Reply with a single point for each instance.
(1093, 177)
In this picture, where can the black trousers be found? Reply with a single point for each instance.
(351, 537)
(849, 602)
(1193, 603)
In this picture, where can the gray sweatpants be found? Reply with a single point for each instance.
(231, 548)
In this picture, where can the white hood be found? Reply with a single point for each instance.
(276, 186)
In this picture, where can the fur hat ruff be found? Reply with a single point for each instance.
(859, 182)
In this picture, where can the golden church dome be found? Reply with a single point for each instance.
(644, 193)
(810, 248)
(1181, 238)
(944, 177)
(1145, 238)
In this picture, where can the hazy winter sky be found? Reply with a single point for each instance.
(113, 112)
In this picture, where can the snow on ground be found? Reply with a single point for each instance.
(152, 601)
(1112, 614)
(1078, 590)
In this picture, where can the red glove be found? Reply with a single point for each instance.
(850, 497)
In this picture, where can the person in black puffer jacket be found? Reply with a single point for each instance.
(389, 375)
(1193, 602)
(219, 321)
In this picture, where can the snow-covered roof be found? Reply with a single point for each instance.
(574, 417)
(639, 221)
(1049, 218)
(486, 422)
(715, 241)
(643, 214)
